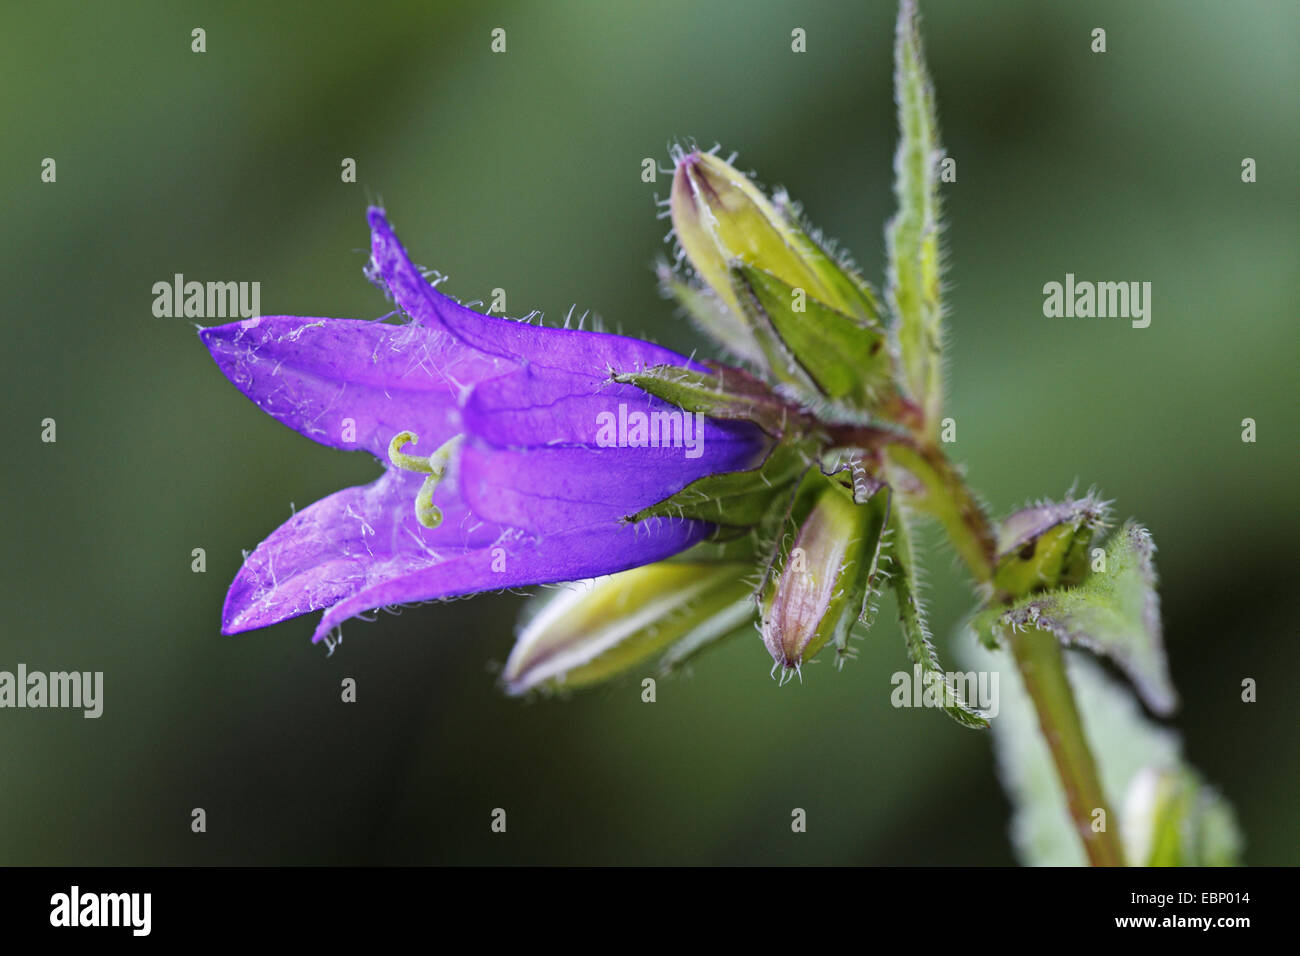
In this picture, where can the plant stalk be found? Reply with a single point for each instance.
(1037, 654)
(1042, 668)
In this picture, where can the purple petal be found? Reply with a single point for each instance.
(544, 489)
(538, 462)
(519, 560)
(588, 353)
(345, 543)
(543, 407)
(531, 498)
(331, 378)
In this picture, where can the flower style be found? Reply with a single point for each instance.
(489, 429)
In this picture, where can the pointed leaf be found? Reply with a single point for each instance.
(916, 632)
(1115, 613)
(913, 234)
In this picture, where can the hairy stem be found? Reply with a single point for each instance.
(945, 495)
(933, 484)
(1042, 667)
(943, 492)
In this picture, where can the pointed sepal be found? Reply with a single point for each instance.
(847, 359)
(721, 392)
(732, 332)
(735, 498)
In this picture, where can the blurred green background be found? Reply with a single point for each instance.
(522, 171)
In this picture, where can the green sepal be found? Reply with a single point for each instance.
(735, 498)
(722, 392)
(983, 623)
(845, 290)
(847, 359)
(711, 316)
(911, 614)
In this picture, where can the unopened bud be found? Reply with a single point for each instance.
(599, 628)
(771, 293)
(720, 217)
(1046, 545)
(818, 584)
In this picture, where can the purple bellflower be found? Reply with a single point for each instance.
(496, 472)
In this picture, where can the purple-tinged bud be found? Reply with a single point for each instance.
(721, 218)
(1046, 545)
(818, 584)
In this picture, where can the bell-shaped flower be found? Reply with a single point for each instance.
(511, 456)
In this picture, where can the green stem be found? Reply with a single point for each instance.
(943, 492)
(933, 484)
(1042, 668)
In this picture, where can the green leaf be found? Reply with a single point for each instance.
(847, 359)
(913, 234)
(737, 498)
(1114, 613)
(1128, 747)
(1172, 817)
(916, 632)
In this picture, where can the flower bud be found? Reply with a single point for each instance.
(1046, 545)
(770, 293)
(596, 629)
(721, 217)
(817, 586)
